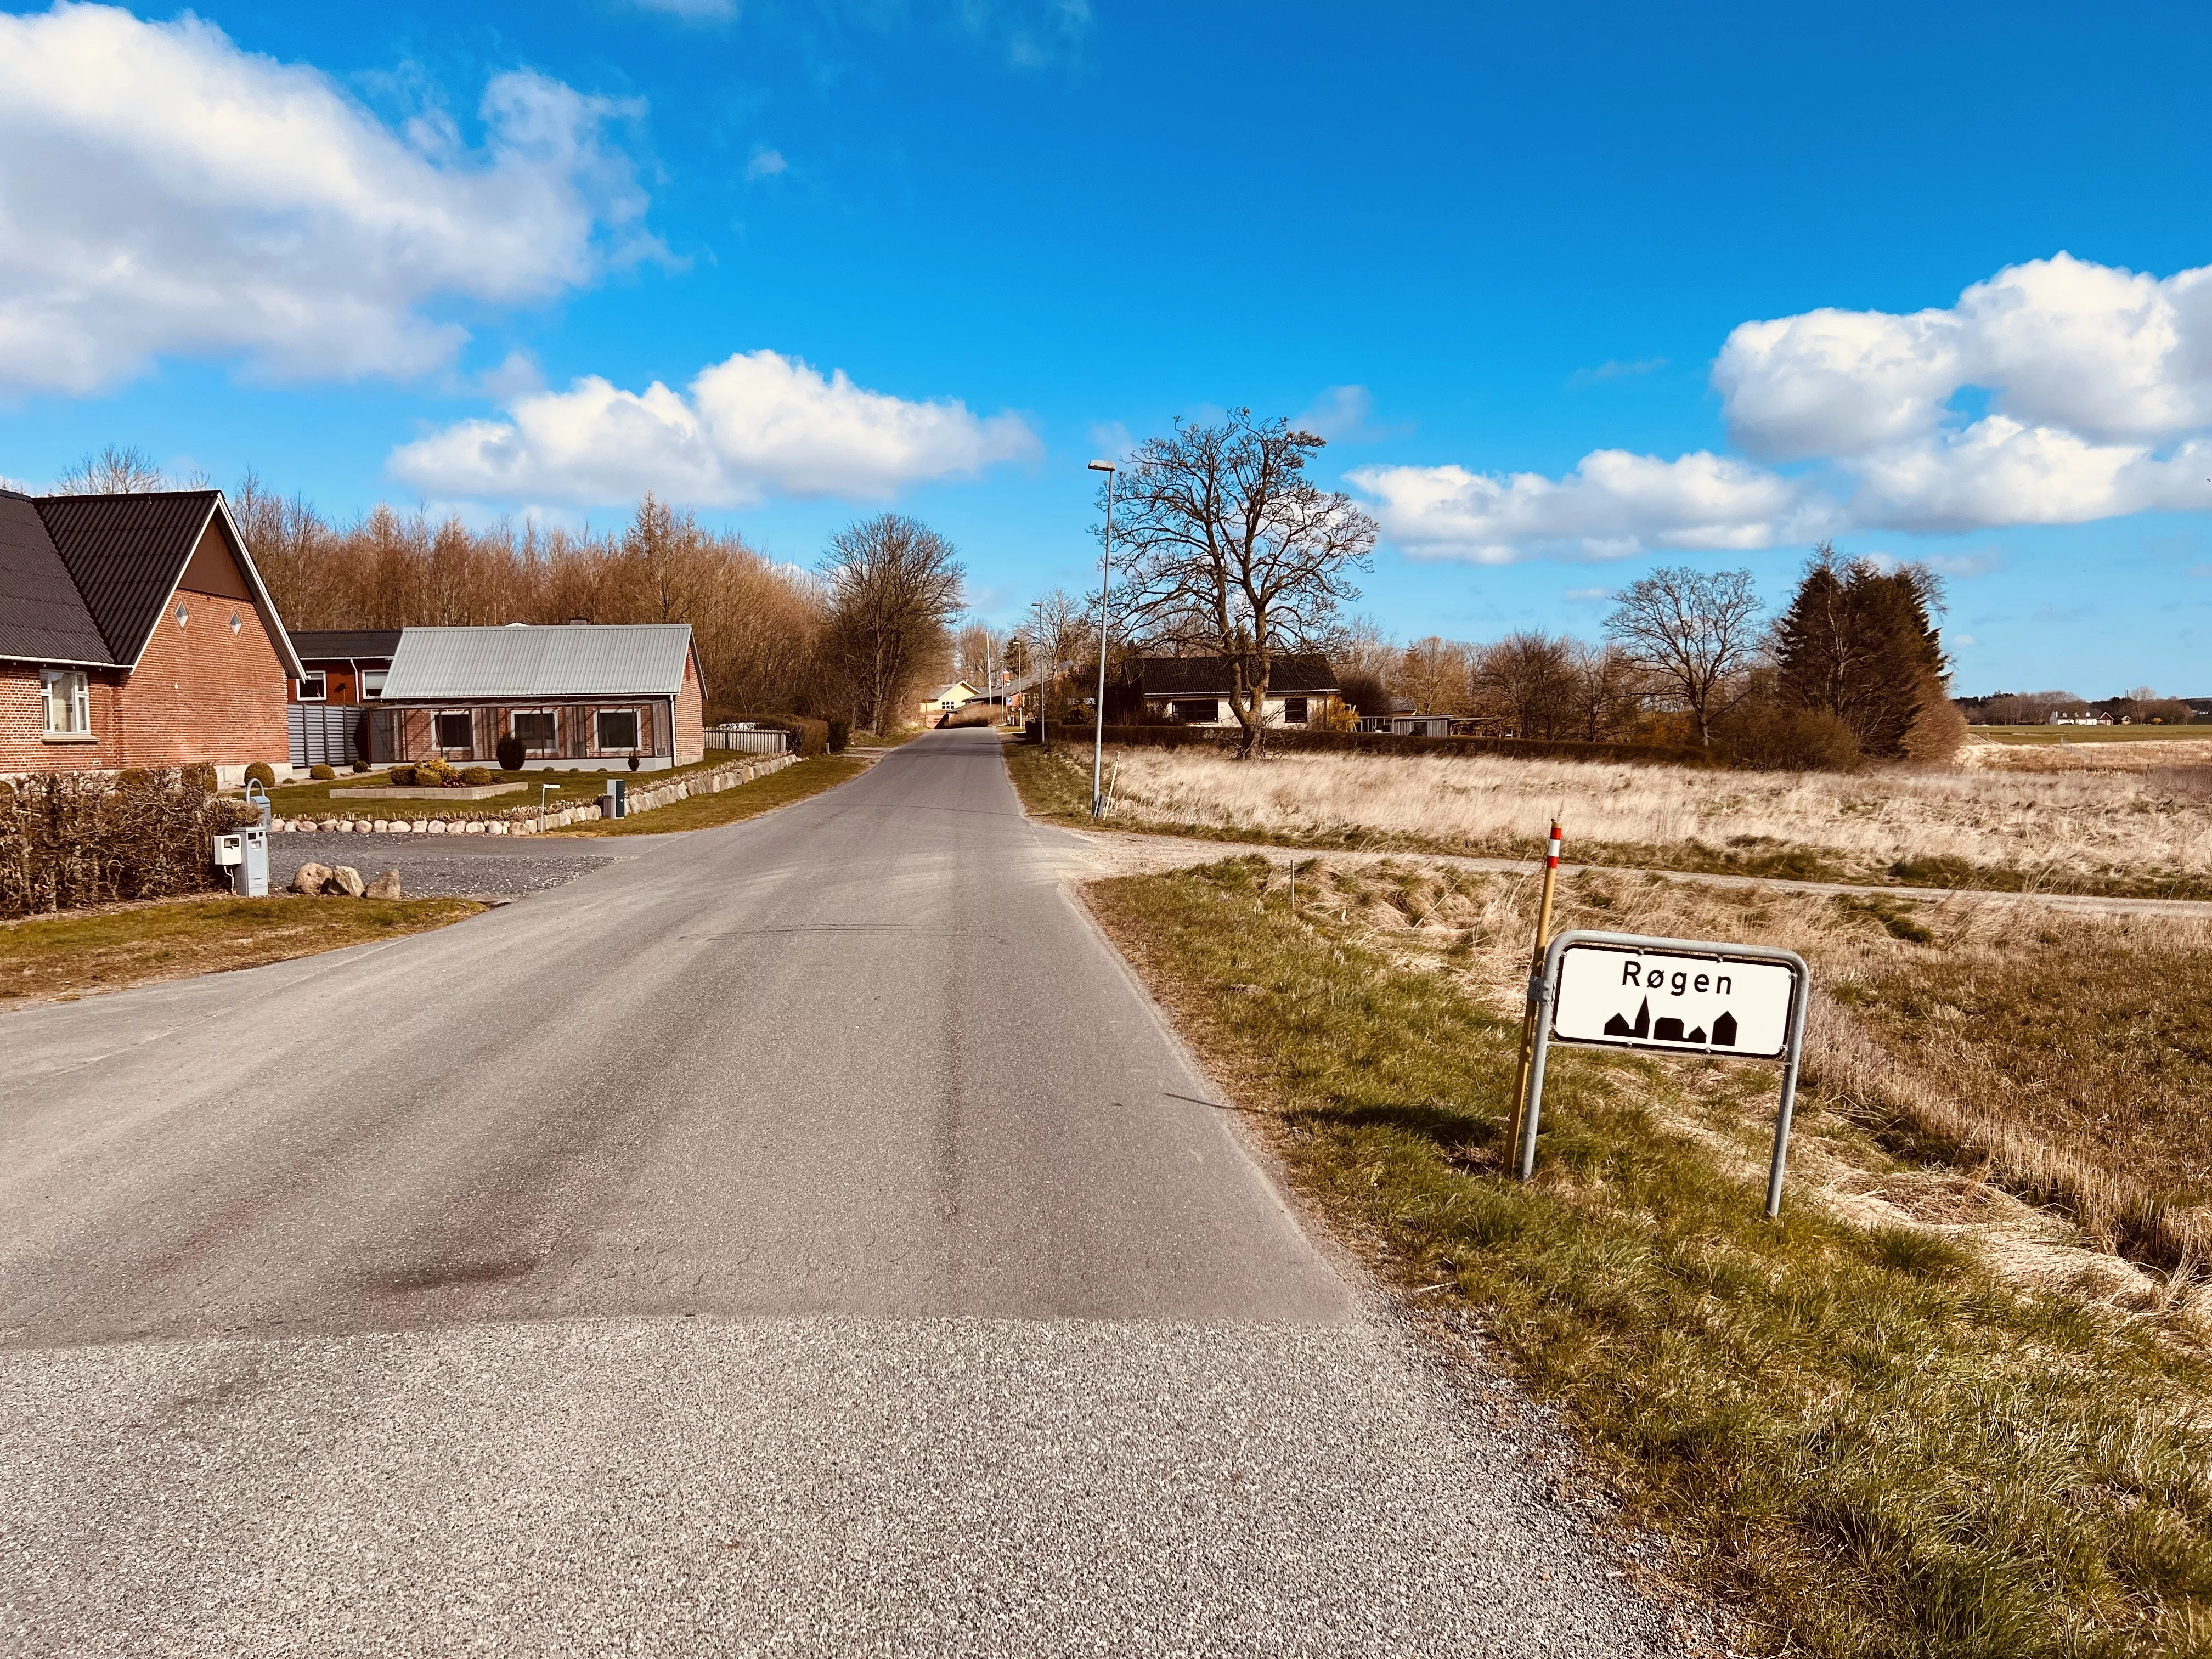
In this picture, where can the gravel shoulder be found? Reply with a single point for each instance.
(439, 867)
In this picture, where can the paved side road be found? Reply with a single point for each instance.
(441, 866)
(729, 1251)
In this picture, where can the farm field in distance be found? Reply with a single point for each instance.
(2094, 828)
(2073, 734)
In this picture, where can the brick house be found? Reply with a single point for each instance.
(135, 631)
(1195, 691)
(343, 671)
(579, 695)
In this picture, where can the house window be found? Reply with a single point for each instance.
(456, 731)
(1294, 710)
(618, 728)
(372, 682)
(69, 701)
(535, 730)
(1203, 712)
(314, 688)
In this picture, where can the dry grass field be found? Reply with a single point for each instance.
(2029, 825)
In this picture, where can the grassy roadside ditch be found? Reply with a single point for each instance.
(795, 782)
(1056, 786)
(76, 954)
(1865, 1437)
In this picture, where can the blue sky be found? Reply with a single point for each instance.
(1573, 294)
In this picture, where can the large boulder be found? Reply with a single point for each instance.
(386, 886)
(310, 877)
(344, 879)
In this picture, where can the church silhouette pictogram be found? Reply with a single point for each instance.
(1668, 1029)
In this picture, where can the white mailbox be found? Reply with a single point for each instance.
(245, 854)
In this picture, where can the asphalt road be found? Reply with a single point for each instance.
(798, 1237)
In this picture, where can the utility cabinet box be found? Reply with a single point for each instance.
(245, 855)
(617, 799)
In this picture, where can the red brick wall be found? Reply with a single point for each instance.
(202, 693)
(23, 745)
(690, 718)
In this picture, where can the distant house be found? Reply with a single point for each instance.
(947, 700)
(135, 631)
(1195, 691)
(343, 671)
(578, 696)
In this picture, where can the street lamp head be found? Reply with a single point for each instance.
(1101, 466)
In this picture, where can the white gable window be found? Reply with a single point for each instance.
(68, 693)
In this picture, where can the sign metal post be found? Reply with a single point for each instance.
(1523, 1122)
(1671, 996)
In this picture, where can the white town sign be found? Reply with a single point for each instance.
(1649, 997)
(1675, 995)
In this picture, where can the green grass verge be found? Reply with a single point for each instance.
(1056, 786)
(69, 955)
(733, 805)
(1867, 1440)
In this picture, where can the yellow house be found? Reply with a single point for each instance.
(938, 704)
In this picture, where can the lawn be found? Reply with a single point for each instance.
(1870, 1432)
(795, 782)
(305, 800)
(71, 955)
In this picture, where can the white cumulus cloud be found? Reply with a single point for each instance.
(1612, 505)
(163, 191)
(2058, 392)
(756, 425)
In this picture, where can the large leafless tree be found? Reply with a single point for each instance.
(1695, 633)
(895, 584)
(1229, 549)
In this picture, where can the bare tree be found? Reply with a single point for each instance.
(117, 469)
(1058, 628)
(1693, 631)
(1231, 549)
(894, 584)
(1608, 691)
(1529, 677)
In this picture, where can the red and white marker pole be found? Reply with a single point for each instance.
(1530, 1013)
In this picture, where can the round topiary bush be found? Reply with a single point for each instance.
(476, 777)
(633, 763)
(511, 752)
(261, 773)
(322, 773)
(400, 776)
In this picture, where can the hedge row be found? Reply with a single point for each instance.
(69, 839)
(809, 736)
(1383, 742)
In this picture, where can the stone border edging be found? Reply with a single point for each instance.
(523, 820)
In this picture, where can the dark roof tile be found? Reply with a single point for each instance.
(43, 617)
(126, 553)
(332, 644)
(1293, 674)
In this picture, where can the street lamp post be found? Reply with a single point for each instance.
(1105, 588)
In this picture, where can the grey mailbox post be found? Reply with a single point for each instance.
(245, 855)
(1671, 996)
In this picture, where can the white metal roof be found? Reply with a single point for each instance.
(622, 660)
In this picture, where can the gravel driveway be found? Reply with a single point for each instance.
(439, 867)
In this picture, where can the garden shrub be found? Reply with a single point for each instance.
(511, 752)
(70, 839)
(261, 773)
(476, 777)
(808, 736)
(840, 732)
(322, 773)
(400, 776)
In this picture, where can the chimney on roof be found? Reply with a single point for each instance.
(579, 622)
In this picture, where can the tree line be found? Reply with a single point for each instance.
(852, 638)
